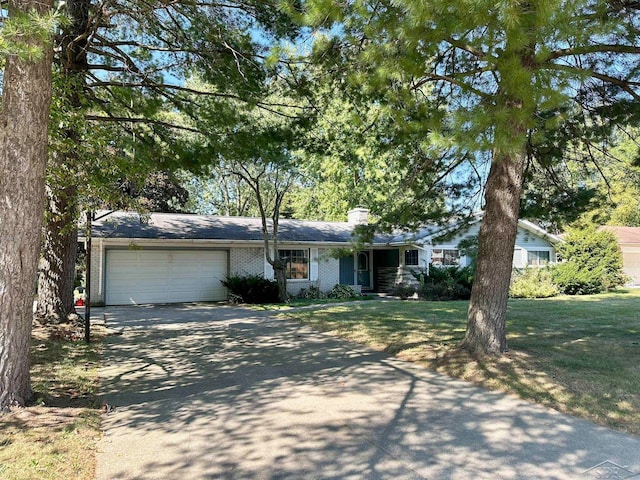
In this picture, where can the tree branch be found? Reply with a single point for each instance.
(605, 48)
(625, 85)
(99, 118)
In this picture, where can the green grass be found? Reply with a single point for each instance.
(55, 437)
(307, 302)
(579, 355)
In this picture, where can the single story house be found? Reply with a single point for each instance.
(629, 242)
(172, 258)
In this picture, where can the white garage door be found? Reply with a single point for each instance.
(164, 276)
(631, 266)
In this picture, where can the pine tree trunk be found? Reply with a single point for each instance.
(23, 156)
(57, 264)
(486, 333)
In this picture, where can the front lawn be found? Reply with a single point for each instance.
(579, 355)
(55, 436)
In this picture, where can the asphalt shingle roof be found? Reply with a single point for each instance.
(208, 227)
(624, 234)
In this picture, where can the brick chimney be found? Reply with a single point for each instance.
(358, 216)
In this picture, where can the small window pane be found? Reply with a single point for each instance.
(411, 257)
(538, 257)
(297, 263)
(363, 262)
(443, 257)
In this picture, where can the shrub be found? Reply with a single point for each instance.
(403, 291)
(310, 293)
(593, 262)
(251, 289)
(342, 291)
(447, 283)
(533, 283)
(574, 280)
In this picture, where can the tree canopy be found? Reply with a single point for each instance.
(510, 79)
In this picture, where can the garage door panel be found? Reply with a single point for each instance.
(631, 266)
(164, 276)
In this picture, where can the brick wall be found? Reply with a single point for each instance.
(97, 276)
(328, 270)
(246, 261)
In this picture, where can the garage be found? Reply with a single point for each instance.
(164, 276)
(631, 264)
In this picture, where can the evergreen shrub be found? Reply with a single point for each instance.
(592, 262)
(251, 289)
(533, 283)
(447, 283)
(404, 291)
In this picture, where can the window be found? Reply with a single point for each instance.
(443, 257)
(411, 257)
(297, 263)
(363, 262)
(538, 257)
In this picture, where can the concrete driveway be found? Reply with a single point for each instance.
(206, 391)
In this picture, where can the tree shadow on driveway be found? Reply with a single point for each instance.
(224, 392)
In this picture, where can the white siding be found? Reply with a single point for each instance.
(529, 240)
(525, 241)
(519, 257)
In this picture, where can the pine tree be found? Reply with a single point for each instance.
(492, 71)
(24, 116)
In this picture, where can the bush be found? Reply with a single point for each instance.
(251, 289)
(447, 283)
(310, 293)
(403, 291)
(592, 262)
(342, 291)
(533, 283)
(574, 280)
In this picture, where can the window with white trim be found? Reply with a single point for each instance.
(538, 257)
(411, 257)
(363, 261)
(445, 257)
(296, 263)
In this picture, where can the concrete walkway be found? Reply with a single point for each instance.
(205, 392)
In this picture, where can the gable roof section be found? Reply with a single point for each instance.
(539, 231)
(434, 233)
(625, 234)
(171, 226)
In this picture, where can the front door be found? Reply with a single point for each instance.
(364, 269)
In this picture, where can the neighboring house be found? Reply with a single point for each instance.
(629, 242)
(171, 258)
